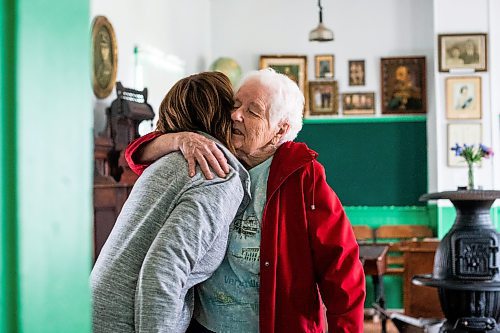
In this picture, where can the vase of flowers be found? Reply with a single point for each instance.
(472, 155)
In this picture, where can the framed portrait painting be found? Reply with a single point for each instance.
(358, 103)
(459, 51)
(463, 97)
(356, 72)
(403, 85)
(324, 66)
(462, 134)
(323, 98)
(104, 57)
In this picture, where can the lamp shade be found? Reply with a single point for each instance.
(321, 34)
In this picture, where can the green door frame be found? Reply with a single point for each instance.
(8, 253)
(46, 166)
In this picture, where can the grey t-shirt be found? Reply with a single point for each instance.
(170, 235)
(229, 299)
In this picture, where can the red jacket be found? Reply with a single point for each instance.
(307, 248)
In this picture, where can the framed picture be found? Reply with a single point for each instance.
(324, 66)
(356, 72)
(358, 103)
(461, 133)
(104, 57)
(293, 66)
(403, 85)
(463, 97)
(462, 51)
(323, 98)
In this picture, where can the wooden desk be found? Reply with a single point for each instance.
(419, 259)
(374, 259)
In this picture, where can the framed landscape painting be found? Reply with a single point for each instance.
(293, 66)
(462, 51)
(403, 85)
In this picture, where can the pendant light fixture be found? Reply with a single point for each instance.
(321, 33)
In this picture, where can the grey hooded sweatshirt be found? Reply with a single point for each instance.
(171, 234)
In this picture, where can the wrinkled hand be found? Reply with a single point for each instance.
(200, 150)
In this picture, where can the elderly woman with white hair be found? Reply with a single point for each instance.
(293, 248)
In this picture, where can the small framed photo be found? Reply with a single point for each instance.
(463, 97)
(356, 72)
(461, 133)
(324, 66)
(358, 103)
(462, 51)
(403, 85)
(323, 98)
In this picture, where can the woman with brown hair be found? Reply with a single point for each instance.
(172, 231)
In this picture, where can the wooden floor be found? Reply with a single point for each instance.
(375, 327)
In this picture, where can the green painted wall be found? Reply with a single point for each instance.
(8, 262)
(54, 135)
(372, 161)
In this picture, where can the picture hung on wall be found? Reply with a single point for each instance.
(324, 66)
(403, 85)
(358, 103)
(356, 72)
(104, 57)
(459, 51)
(293, 66)
(323, 98)
(463, 97)
(469, 134)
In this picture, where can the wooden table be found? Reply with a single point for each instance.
(374, 259)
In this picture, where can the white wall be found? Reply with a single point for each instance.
(179, 28)
(199, 31)
(465, 16)
(363, 29)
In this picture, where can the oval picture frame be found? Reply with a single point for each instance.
(104, 57)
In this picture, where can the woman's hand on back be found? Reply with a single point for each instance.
(200, 150)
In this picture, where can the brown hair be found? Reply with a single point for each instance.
(200, 102)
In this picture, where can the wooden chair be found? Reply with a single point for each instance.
(395, 236)
(363, 233)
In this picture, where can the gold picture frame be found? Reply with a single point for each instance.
(324, 66)
(104, 57)
(463, 97)
(293, 66)
(403, 81)
(358, 103)
(324, 98)
(463, 51)
(356, 72)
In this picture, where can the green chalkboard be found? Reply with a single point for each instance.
(372, 163)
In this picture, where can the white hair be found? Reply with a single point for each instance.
(287, 101)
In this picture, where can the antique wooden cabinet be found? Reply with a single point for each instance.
(113, 179)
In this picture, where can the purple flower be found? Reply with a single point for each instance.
(458, 150)
(486, 151)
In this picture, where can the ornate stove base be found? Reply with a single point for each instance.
(471, 324)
